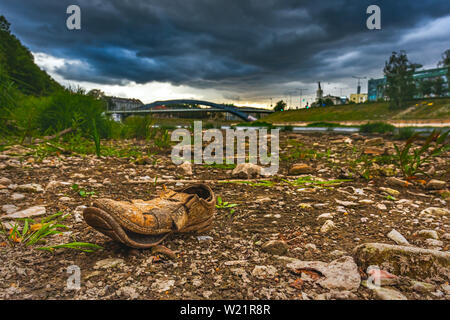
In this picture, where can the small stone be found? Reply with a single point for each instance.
(108, 263)
(204, 238)
(340, 274)
(311, 247)
(374, 151)
(374, 141)
(30, 212)
(17, 196)
(346, 203)
(337, 253)
(435, 185)
(422, 286)
(435, 211)
(5, 181)
(129, 292)
(381, 206)
(143, 161)
(300, 168)
(277, 247)
(246, 170)
(65, 199)
(327, 226)
(397, 237)
(397, 182)
(162, 285)
(427, 234)
(390, 191)
(434, 243)
(325, 216)
(56, 184)
(446, 288)
(186, 168)
(389, 294)
(9, 208)
(264, 272)
(30, 187)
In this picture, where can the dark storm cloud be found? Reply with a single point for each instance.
(237, 45)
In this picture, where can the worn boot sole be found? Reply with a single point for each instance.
(106, 224)
(191, 211)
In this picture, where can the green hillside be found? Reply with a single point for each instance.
(421, 109)
(17, 64)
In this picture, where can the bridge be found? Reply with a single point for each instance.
(213, 107)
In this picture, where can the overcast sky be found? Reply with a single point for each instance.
(235, 51)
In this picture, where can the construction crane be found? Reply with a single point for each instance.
(359, 83)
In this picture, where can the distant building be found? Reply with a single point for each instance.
(376, 86)
(122, 104)
(319, 93)
(358, 98)
(336, 100)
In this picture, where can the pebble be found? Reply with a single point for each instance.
(434, 243)
(428, 234)
(186, 168)
(17, 196)
(162, 285)
(390, 191)
(300, 168)
(397, 237)
(435, 185)
(5, 181)
(29, 187)
(263, 272)
(30, 212)
(108, 263)
(9, 208)
(204, 238)
(435, 211)
(327, 226)
(277, 247)
(388, 294)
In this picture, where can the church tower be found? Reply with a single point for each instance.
(319, 93)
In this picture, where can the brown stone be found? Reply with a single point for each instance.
(397, 182)
(374, 151)
(435, 185)
(300, 168)
(277, 247)
(374, 142)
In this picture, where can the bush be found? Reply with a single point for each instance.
(67, 109)
(405, 133)
(376, 127)
(8, 97)
(137, 127)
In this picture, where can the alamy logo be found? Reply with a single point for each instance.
(374, 21)
(73, 22)
(258, 145)
(74, 280)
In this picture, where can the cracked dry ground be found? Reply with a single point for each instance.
(224, 267)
